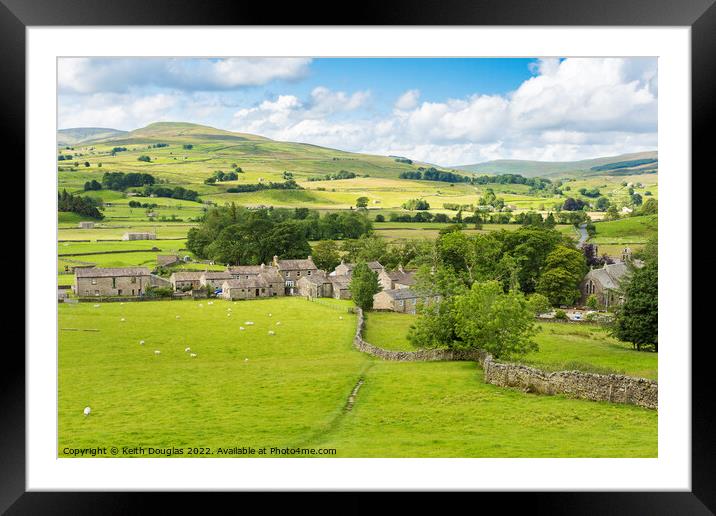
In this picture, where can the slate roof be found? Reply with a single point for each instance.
(109, 272)
(187, 275)
(167, 259)
(295, 265)
(212, 275)
(402, 293)
(611, 275)
(402, 277)
(340, 282)
(246, 269)
(374, 266)
(317, 278)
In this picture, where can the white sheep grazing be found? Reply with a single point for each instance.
(278, 323)
(193, 355)
(177, 317)
(201, 305)
(246, 359)
(96, 306)
(141, 343)
(87, 411)
(122, 319)
(186, 350)
(210, 303)
(340, 317)
(249, 323)
(157, 352)
(271, 332)
(241, 328)
(269, 315)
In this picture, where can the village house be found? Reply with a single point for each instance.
(139, 236)
(214, 279)
(346, 269)
(315, 285)
(398, 279)
(185, 280)
(122, 281)
(267, 283)
(293, 270)
(86, 225)
(604, 282)
(340, 287)
(402, 300)
(167, 260)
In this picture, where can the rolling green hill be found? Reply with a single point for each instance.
(81, 134)
(597, 166)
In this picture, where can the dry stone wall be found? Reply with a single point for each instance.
(576, 384)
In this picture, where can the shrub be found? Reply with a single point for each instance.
(560, 314)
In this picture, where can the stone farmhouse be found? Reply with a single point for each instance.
(399, 279)
(123, 281)
(346, 269)
(340, 286)
(139, 236)
(167, 260)
(403, 300)
(604, 282)
(86, 225)
(214, 279)
(186, 280)
(293, 270)
(317, 284)
(267, 283)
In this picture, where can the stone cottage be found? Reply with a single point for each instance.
(604, 283)
(397, 279)
(122, 281)
(293, 270)
(315, 285)
(139, 236)
(214, 279)
(339, 286)
(346, 269)
(86, 225)
(402, 300)
(186, 280)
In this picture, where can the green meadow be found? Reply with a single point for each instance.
(250, 388)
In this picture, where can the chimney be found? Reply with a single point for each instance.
(275, 260)
(400, 267)
(310, 257)
(262, 267)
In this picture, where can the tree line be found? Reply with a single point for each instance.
(82, 205)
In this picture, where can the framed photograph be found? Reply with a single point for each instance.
(419, 252)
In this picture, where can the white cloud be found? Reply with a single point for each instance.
(570, 109)
(408, 100)
(101, 75)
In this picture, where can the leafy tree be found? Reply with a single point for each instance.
(144, 158)
(602, 204)
(380, 218)
(362, 202)
(538, 303)
(637, 320)
(363, 286)
(325, 255)
(564, 269)
(592, 302)
(500, 323)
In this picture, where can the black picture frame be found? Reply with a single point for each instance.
(700, 15)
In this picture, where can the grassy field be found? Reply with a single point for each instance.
(583, 347)
(293, 388)
(264, 160)
(628, 230)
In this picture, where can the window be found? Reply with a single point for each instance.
(134, 279)
(119, 292)
(309, 273)
(94, 281)
(288, 274)
(298, 274)
(96, 292)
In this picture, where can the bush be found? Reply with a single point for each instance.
(560, 314)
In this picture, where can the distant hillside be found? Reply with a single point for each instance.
(81, 134)
(635, 163)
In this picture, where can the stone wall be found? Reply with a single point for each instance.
(576, 384)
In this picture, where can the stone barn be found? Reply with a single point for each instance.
(122, 281)
(346, 269)
(397, 279)
(139, 236)
(316, 285)
(186, 280)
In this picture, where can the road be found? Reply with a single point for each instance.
(583, 236)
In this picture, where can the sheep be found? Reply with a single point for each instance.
(87, 411)
(249, 323)
(96, 306)
(241, 328)
(269, 315)
(157, 352)
(271, 332)
(340, 317)
(187, 349)
(177, 317)
(141, 343)
(278, 323)
(246, 359)
(193, 355)
(122, 319)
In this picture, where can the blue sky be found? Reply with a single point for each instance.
(445, 111)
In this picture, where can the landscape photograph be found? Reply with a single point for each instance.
(357, 257)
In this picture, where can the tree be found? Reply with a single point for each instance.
(592, 302)
(500, 323)
(637, 320)
(602, 204)
(564, 269)
(362, 202)
(380, 218)
(539, 304)
(325, 255)
(363, 286)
